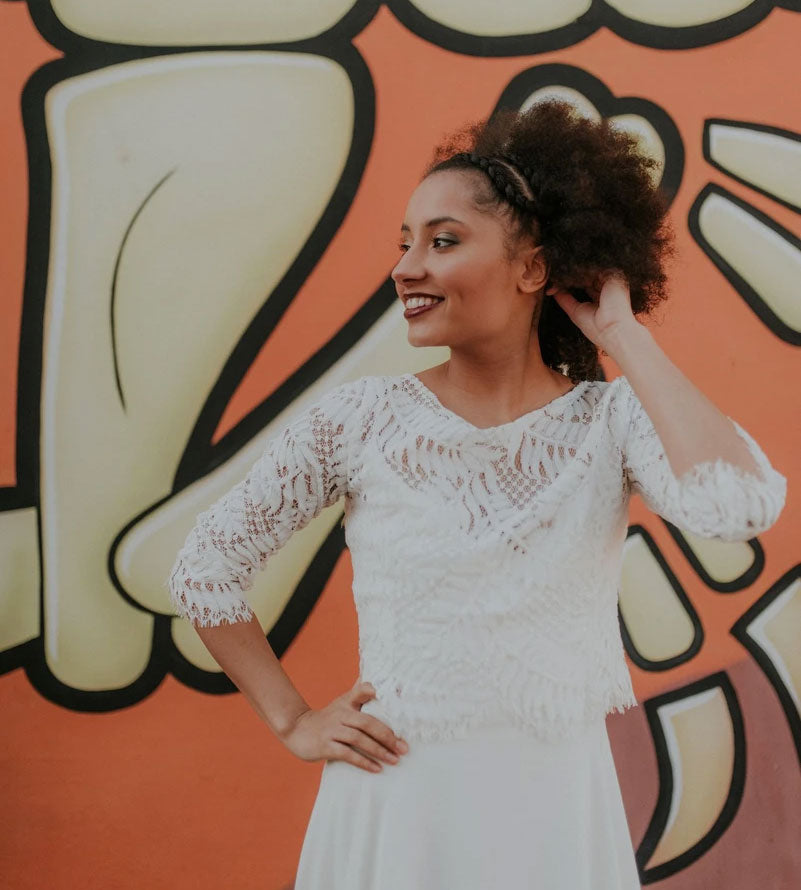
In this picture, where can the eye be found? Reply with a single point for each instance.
(445, 241)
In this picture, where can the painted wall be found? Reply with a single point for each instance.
(201, 205)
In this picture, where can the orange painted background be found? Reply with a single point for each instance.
(174, 782)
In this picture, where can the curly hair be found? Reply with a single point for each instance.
(583, 190)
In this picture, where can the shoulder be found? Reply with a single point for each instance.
(607, 395)
(619, 405)
(346, 405)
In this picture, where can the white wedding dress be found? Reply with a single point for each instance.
(486, 565)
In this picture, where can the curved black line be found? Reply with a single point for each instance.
(746, 579)
(114, 351)
(31, 655)
(664, 664)
(740, 630)
(99, 53)
(759, 307)
(599, 15)
(520, 88)
(656, 826)
(760, 128)
(288, 625)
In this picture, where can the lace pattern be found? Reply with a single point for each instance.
(713, 499)
(486, 562)
(301, 471)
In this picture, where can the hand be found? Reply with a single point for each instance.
(340, 731)
(606, 315)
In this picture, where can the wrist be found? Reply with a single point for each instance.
(282, 723)
(625, 340)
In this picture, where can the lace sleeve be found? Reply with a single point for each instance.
(302, 470)
(713, 499)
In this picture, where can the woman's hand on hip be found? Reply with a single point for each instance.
(340, 731)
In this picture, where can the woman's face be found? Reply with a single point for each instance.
(451, 250)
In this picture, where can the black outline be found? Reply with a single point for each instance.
(790, 135)
(113, 299)
(599, 15)
(739, 630)
(746, 579)
(522, 85)
(759, 307)
(692, 650)
(656, 826)
(100, 53)
(200, 457)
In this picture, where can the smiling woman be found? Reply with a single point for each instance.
(521, 202)
(486, 516)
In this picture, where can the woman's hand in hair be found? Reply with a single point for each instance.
(606, 315)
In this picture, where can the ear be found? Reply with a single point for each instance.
(533, 275)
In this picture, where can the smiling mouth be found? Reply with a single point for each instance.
(419, 310)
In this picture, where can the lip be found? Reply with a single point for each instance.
(418, 293)
(420, 310)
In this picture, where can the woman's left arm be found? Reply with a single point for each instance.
(691, 463)
(691, 428)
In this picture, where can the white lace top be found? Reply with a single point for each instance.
(486, 562)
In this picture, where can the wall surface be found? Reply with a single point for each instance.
(201, 205)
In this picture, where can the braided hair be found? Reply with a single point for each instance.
(582, 190)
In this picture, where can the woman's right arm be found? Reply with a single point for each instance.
(301, 471)
(244, 653)
(339, 731)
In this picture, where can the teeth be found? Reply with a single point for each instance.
(414, 302)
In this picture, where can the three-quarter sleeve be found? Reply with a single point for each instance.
(302, 470)
(713, 499)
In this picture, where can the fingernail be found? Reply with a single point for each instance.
(402, 745)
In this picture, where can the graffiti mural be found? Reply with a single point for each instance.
(201, 215)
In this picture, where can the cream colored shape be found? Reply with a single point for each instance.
(700, 743)
(147, 552)
(777, 630)
(761, 256)
(767, 161)
(656, 619)
(648, 140)
(184, 23)
(678, 13)
(204, 254)
(20, 578)
(724, 561)
(504, 17)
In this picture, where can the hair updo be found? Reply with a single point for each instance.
(583, 190)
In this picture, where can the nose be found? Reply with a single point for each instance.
(409, 267)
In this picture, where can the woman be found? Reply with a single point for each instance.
(486, 511)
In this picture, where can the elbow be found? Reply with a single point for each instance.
(739, 511)
(206, 603)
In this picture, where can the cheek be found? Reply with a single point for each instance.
(468, 275)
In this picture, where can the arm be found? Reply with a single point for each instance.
(690, 462)
(242, 651)
(302, 470)
(691, 428)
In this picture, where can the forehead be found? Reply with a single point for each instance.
(444, 193)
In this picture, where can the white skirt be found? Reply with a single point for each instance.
(497, 809)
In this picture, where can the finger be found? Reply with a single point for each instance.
(348, 755)
(355, 737)
(567, 302)
(380, 731)
(362, 692)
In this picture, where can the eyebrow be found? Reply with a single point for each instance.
(434, 222)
